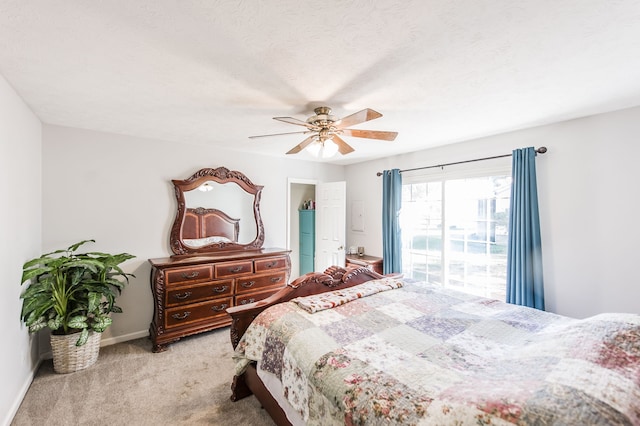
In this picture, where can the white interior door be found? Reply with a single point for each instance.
(331, 213)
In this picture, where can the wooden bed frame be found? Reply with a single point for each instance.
(248, 383)
(202, 223)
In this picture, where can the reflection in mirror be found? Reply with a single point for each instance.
(202, 227)
(229, 200)
(218, 210)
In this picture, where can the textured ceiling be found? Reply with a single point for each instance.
(215, 72)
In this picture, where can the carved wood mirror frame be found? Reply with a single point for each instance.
(220, 175)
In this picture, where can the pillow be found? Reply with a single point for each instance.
(206, 241)
(331, 299)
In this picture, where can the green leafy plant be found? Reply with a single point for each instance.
(72, 292)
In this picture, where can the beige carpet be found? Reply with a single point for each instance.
(189, 384)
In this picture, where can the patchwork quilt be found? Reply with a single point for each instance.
(412, 354)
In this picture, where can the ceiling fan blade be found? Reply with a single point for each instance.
(295, 121)
(302, 145)
(343, 147)
(359, 117)
(370, 134)
(280, 134)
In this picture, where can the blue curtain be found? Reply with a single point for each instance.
(524, 253)
(391, 239)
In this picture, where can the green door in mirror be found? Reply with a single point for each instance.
(307, 240)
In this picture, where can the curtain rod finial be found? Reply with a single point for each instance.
(541, 150)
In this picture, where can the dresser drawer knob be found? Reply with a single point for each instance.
(182, 296)
(219, 308)
(272, 264)
(181, 316)
(248, 284)
(245, 301)
(276, 279)
(190, 275)
(236, 269)
(220, 289)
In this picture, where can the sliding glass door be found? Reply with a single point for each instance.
(455, 233)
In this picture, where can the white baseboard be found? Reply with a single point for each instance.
(20, 395)
(124, 338)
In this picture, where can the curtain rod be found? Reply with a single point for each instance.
(540, 150)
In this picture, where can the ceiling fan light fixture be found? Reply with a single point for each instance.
(205, 187)
(323, 149)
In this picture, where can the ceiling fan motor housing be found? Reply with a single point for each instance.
(323, 119)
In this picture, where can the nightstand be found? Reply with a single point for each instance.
(372, 262)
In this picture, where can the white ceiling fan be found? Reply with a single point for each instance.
(326, 131)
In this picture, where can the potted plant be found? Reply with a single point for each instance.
(73, 294)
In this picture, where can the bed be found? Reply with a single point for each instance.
(354, 347)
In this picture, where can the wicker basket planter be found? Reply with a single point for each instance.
(68, 358)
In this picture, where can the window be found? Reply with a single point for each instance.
(454, 233)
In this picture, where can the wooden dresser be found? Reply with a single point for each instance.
(191, 292)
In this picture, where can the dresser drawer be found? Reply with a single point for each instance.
(192, 274)
(254, 297)
(184, 315)
(260, 282)
(264, 265)
(230, 269)
(198, 292)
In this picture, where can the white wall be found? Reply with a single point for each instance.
(589, 204)
(20, 228)
(117, 190)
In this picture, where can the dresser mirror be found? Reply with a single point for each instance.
(218, 210)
